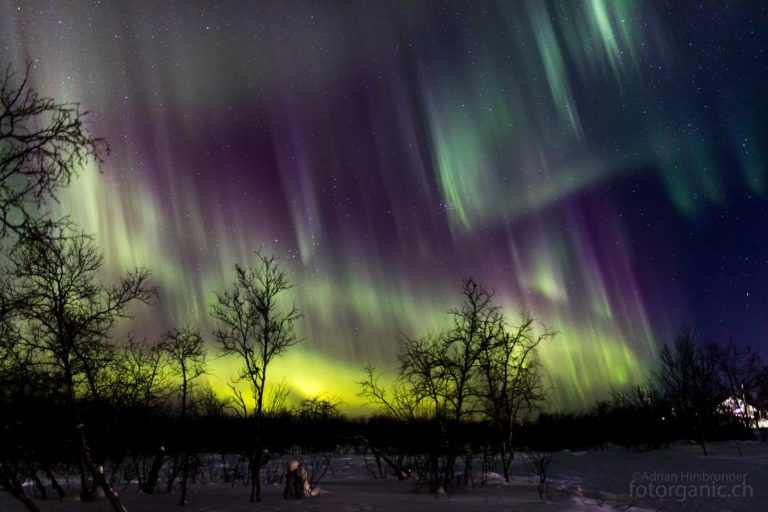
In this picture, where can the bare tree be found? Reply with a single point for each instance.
(688, 377)
(136, 376)
(11, 483)
(399, 403)
(255, 326)
(424, 378)
(445, 368)
(441, 377)
(43, 143)
(512, 385)
(65, 324)
(539, 462)
(321, 406)
(18, 382)
(740, 369)
(476, 326)
(186, 354)
(277, 404)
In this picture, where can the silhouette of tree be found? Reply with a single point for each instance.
(740, 369)
(186, 355)
(478, 367)
(477, 325)
(512, 376)
(20, 387)
(400, 404)
(277, 405)
(444, 371)
(43, 143)
(688, 377)
(208, 404)
(136, 376)
(320, 407)
(255, 326)
(65, 321)
(11, 483)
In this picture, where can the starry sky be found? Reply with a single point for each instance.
(599, 163)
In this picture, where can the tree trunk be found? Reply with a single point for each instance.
(97, 473)
(13, 486)
(506, 463)
(397, 467)
(257, 455)
(38, 484)
(507, 455)
(173, 473)
(703, 445)
(150, 484)
(86, 489)
(185, 444)
(255, 475)
(184, 477)
(54, 483)
(86, 461)
(448, 472)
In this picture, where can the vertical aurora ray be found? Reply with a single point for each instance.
(559, 152)
(554, 65)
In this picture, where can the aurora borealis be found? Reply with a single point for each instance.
(599, 163)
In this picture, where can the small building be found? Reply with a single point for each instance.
(749, 414)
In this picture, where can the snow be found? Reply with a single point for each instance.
(595, 480)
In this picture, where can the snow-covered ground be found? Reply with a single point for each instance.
(581, 481)
(690, 480)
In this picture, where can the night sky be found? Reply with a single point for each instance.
(599, 163)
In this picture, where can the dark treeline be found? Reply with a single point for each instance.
(128, 439)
